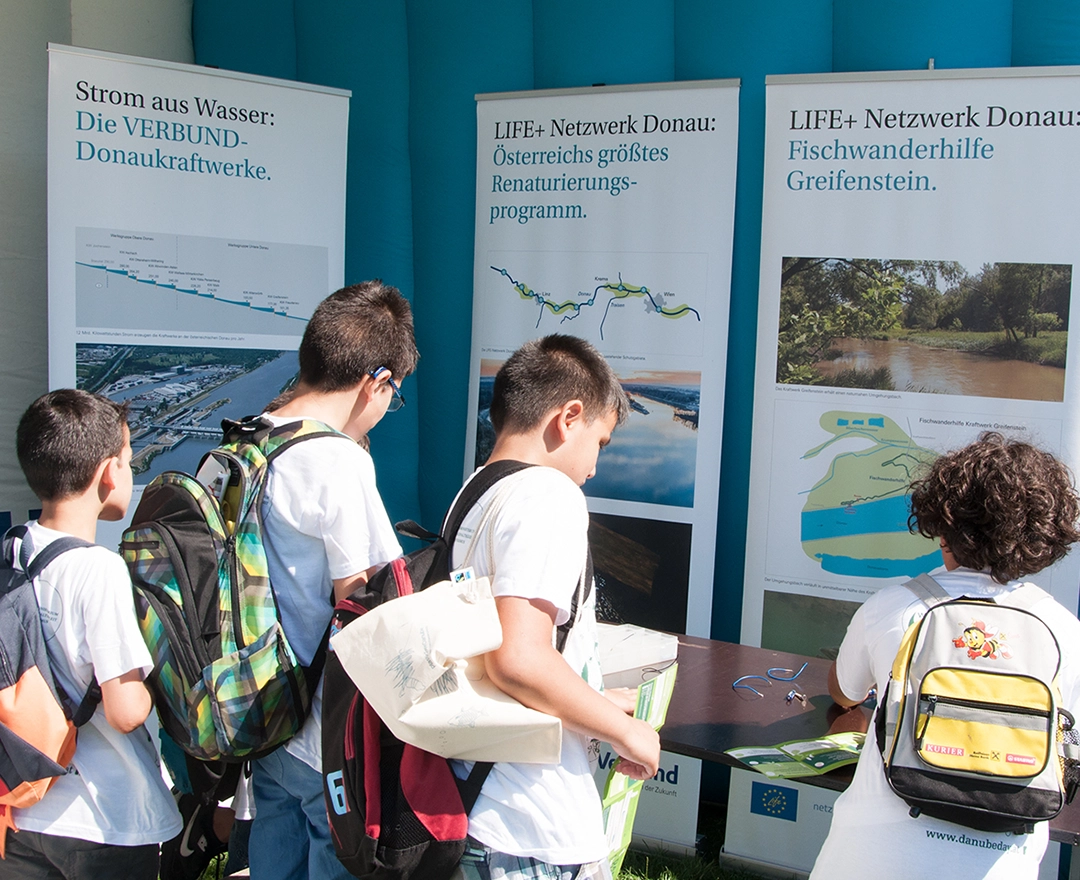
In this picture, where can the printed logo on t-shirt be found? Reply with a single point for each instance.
(913, 614)
(51, 617)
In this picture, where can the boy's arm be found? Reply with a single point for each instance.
(345, 586)
(126, 701)
(837, 693)
(528, 668)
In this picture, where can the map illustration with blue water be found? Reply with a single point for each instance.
(855, 518)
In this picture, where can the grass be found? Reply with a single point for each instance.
(1048, 348)
(705, 866)
(658, 866)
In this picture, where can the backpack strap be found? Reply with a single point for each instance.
(264, 433)
(1025, 597)
(562, 632)
(928, 589)
(81, 713)
(474, 490)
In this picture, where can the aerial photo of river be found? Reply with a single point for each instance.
(177, 407)
(652, 457)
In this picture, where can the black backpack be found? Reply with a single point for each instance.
(397, 812)
(35, 746)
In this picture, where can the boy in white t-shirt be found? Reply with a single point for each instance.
(107, 815)
(1001, 510)
(555, 403)
(325, 531)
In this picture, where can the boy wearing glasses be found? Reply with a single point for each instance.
(325, 530)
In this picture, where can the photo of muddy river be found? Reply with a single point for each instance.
(947, 371)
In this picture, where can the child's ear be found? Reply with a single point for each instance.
(570, 415)
(107, 472)
(105, 478)
(367, 388)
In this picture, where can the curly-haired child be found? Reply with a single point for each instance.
(1001, 510)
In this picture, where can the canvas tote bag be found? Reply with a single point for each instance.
(419, 662)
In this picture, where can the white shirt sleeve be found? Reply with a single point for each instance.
(854, 665)
(540, 540)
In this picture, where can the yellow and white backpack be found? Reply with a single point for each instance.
(970, 726)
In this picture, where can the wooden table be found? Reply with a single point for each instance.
(707, 716)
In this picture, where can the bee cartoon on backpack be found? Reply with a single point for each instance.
(981, 642)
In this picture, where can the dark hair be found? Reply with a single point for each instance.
(546, 373)
(62, 438)
(354, 331)
(998, 504)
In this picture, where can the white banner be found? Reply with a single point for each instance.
(607, 214)
(196, 217)
(917, 262)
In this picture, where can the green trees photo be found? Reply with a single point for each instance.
(1009, 311)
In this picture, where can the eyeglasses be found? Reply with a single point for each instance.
(398, 400)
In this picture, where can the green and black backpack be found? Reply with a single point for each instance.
(226, 683)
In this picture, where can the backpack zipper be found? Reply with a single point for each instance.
(934, 699)
(237, 463)
(187, 595)
(168, 612)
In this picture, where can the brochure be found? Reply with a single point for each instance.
(810, 757)
(621, 793)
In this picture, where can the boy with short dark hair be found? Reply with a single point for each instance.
(555, 403)
(325, 531)
(107, 815)
(1001, 510)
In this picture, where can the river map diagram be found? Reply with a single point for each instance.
(855, 518)
(647, 304)
(605, 294)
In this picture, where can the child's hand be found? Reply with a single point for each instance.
(624, 698)
(638, 750)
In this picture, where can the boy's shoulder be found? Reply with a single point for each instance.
(539, 484)
(318, 458)
(92, 555)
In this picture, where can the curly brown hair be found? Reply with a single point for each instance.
(998, 504)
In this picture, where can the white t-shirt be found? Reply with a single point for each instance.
(113, 792)
(871, 831)
(549, 812)
(323, 519)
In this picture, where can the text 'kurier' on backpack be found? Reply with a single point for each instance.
(970, 727)
(226, 683)
(38, 722)
(398, 812)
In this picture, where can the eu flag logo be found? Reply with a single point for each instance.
(777, 801)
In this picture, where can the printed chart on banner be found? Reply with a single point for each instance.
(154, 281)
(646, 303)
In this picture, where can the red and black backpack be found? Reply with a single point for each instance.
(396, 811)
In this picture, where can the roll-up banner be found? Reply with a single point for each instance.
(606, 213)
(918, 254)
(196, 218)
